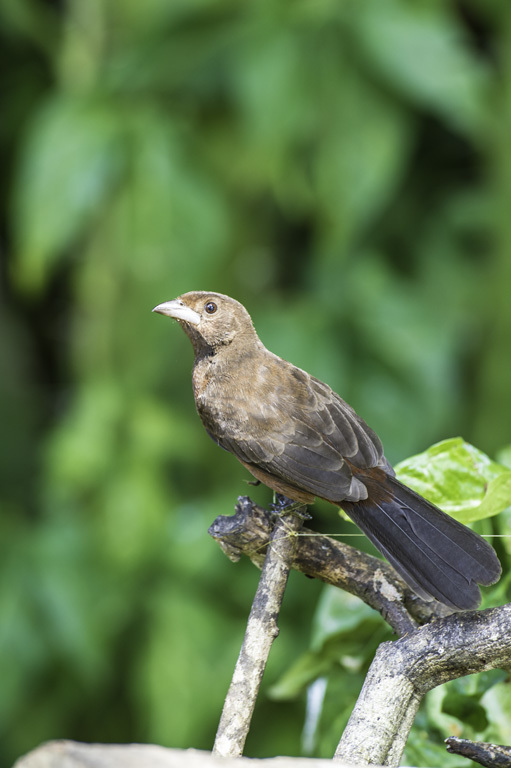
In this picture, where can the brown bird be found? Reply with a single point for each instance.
(293, 433)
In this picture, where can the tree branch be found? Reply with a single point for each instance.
(489, 755)
(454, 645)
(247, 532)
(261, 631)
(404, 670)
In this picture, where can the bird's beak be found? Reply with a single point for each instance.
(179, 311)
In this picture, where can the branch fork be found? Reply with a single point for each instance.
(451, 646)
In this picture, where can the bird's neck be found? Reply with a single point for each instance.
(214, 365)
(200, 346)
(242, 346)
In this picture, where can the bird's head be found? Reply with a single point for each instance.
(211, 320)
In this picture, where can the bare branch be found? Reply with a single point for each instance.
(248, 531)
(489, 755)
(261, 631)
(404, 670)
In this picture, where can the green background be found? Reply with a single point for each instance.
(342, 167)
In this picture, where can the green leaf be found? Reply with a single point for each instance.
(467, 709)
(421, 50)
(362, 150)
(459, 479)
(485, 681)
(497, 702)
(422, 750)
(69, 163)
(504, 456)
(293, 682)
(340, 614)
(170, 221)
(345, 635)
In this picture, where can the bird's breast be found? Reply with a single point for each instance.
(234, 398)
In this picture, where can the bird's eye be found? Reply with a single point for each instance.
(210, 307)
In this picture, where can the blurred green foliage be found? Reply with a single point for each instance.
(342, 168)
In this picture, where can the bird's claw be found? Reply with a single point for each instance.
(282, 505)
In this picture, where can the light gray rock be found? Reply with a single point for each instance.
(73, 754)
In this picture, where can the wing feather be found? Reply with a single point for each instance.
(306, 442)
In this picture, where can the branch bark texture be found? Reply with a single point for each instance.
(248, 531)
(482, 752)
(404, 670)
(261, 631)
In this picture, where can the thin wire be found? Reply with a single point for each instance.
(356, 535)
(363, 536)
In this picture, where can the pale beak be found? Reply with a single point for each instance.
(179, 311)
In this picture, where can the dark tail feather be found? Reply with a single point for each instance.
(435, 554)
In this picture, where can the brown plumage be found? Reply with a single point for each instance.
(292, 432)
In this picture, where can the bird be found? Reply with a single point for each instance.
(293, 433)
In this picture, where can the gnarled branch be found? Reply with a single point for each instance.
(248, 531)
(454, 645)
(404, 670)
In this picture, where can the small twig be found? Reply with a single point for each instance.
(261, 631)
(373, 580)
(489, 755)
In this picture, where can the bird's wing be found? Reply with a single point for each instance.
(307, 440)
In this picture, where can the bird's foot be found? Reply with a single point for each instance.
(282, 505)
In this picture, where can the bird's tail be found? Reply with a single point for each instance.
(435, 554)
